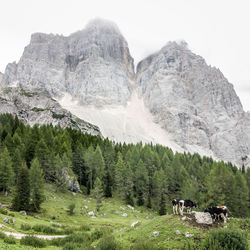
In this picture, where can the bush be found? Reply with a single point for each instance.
(2, 235)
(3, 211)
(108, 243)
(33, 241)
(25, 227)
(10, 240)
(225, 240)
(71, 208)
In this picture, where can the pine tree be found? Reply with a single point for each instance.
(141, 184)
(78, 164)
(163, 202)
(98, 193)
(240, 196)
(90, 171)
(36, 185)
(6, 171)
(123, 179)
(17, 161)
(42, 153)
(22, 196)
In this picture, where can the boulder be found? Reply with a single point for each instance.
(203, 218)
(124, 215)
(9, 220)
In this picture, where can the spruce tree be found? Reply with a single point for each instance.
(36, 185)
(98, 193)
(141, 183)
(163, 202)
(240, 196)
(21, 199)
(6, 171)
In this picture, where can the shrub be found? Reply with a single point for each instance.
(108, 243)
(11, 214)
(2, 235)
(3, 211)
(10, 240)
(33, 241)
(225, 240)
(71, 208)
(25, 227)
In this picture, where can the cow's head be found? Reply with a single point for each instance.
(195, 205)
(207, 210)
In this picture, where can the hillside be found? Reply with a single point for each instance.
(109, 221)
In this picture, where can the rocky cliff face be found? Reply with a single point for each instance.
(37, 106)
(175, 98)
(194, 102)
(93, 65)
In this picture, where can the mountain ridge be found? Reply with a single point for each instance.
(192, 101)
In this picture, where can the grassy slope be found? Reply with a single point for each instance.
(54, 210)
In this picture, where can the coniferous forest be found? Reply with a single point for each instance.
(144, 175)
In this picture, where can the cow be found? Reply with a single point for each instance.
(188, 204)
(216, 212)
(175, 203)
(180, 204)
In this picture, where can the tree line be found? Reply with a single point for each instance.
(144, 175)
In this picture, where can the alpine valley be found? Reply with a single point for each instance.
(87, 81)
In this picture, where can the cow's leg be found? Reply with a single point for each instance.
(224, 217)
(181, 209)
(174, 209)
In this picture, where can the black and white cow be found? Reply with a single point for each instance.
(180, 204)
(188, 204)
(217, 212)
(175, 203)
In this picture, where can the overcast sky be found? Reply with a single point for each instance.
(218, 30)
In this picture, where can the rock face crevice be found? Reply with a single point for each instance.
(191, 101)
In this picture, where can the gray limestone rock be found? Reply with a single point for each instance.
(93, 65)
(38, 107)
(203, 218)
(194, 103)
